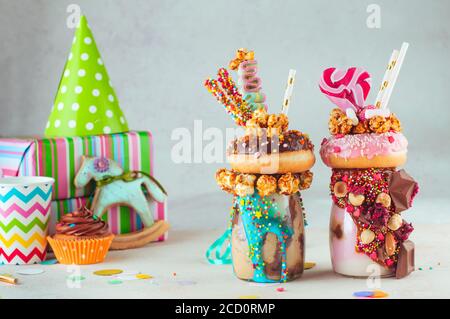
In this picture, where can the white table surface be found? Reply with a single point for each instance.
(181, 271)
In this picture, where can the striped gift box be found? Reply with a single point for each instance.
(60, 158)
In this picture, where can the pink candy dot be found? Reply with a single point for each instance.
(391, 139)
(356, 213)
(336, 149)
(380, 236)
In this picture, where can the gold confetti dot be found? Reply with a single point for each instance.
(143, 276)
(309, 265)
(108, 272)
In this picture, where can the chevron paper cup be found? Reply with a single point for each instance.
(24, 214)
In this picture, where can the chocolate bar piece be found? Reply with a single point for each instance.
(405, 263)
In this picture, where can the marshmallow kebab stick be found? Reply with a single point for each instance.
(393, 78)
(386, 77)
(288, 92)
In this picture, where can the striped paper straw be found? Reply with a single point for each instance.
(394, 75)
(288, 92)
(386, 77)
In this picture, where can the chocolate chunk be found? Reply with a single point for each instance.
(402, 188)
(405, 263)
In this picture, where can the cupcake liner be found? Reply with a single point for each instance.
(80, 251)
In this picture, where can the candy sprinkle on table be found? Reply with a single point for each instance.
(370, 294)
(379, 294)
(364, 294)
(115, 282)
(309, 265)
(108, 272)
(143, 276)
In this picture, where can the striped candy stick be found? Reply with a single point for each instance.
(239, 115)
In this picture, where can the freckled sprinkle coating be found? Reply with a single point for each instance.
(371, 215)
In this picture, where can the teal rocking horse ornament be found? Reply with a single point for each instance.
(114, 187)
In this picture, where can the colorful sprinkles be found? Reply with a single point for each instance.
(358, 192)
(370, 294)
(260, 216)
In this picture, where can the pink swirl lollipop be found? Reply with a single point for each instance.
(346, 89)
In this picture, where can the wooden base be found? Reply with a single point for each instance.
(141, 237)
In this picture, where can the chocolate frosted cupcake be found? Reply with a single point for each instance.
(81, 238)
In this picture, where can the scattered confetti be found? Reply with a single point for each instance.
(309, 265)
(420, 268)
(364, 294)
(49, 262)
(108, 272)
(249, 297)
(186, 282)
(115, 282)
(76, 278)
(143, 276)
(379, 294)
(174, 274)
(281, 289)
(30, 271)
(370, 294)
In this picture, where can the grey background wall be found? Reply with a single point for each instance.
(159, 52)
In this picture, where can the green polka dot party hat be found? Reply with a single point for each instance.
(86, 103)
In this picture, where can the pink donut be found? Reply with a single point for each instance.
(364, 150)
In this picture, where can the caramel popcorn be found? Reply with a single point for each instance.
(339, 123)
(361, 128)
(379, 124)
(266, 185)
(305, 180)
(288, 184)
(245, 184)
(260, 117)
(251, 123)
(395, 123)
(279, 121)
(226, 180)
